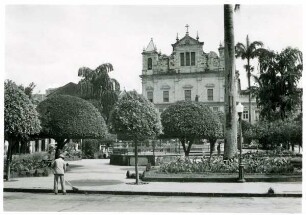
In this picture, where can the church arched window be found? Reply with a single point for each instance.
(149, 63)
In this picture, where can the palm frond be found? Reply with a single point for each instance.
(240, 50)
(116, 83)
(256, 79)
(237, 7)
(85, 72)
(105, 67)
(248, 68)
(256, 44)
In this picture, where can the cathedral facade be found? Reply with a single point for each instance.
(187, 74)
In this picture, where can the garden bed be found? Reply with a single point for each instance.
(31, 173)
(263, 166)
(31, 165)
(156, 176)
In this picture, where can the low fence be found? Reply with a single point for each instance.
(166, 149)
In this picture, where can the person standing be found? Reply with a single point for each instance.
(59, 168)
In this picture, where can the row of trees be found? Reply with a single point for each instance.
(61, 117)
(276, 90)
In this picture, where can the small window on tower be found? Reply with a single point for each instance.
(149, 63)
(182, 59)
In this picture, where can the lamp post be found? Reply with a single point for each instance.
(239, 109)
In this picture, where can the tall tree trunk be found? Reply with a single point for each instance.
(230, 143)
(191, 141)
(136, 162)
(212, 147)
(9, 159)
(249, 84)
(60, 145)
(183, 140)
(24, 145)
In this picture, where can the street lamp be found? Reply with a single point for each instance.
(239, 109)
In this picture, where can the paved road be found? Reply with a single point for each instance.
(116, 203)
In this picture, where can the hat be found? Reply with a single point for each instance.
(62, 156)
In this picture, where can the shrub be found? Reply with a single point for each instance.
(89, 147)
(272, 135)
(245, 126)
(265, 163)
(28, 162)
(71, 153)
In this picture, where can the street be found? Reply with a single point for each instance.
(120, 203)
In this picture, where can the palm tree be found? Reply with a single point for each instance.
(97, 87)
(278, 93)
(94, 81)
(248, 51)
(230, 135)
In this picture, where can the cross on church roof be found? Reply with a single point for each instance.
(187, 26)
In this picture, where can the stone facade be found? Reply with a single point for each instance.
(187, 74)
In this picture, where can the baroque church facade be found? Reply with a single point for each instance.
(187, 74)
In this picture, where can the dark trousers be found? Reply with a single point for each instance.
(61, 177)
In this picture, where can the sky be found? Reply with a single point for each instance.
(47, 44)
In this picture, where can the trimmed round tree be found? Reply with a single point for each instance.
(20, 118)
(134, 118)
(66, 117)
(189, 121)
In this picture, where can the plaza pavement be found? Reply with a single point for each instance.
(98, 176)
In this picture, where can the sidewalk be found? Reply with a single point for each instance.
(97, 176)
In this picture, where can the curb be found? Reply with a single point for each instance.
(220, 180)
(224, 178)
(24, 190)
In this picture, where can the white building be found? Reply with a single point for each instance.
(187, 74)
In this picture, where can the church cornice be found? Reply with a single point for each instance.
(193, 74)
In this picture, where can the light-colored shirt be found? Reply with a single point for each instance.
(59, 166)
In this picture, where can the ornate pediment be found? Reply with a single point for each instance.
(210, 85)
(187, 86)
(186, 41)
(148, 88)
(165, 87)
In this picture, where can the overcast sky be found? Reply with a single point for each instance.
(48, 44)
